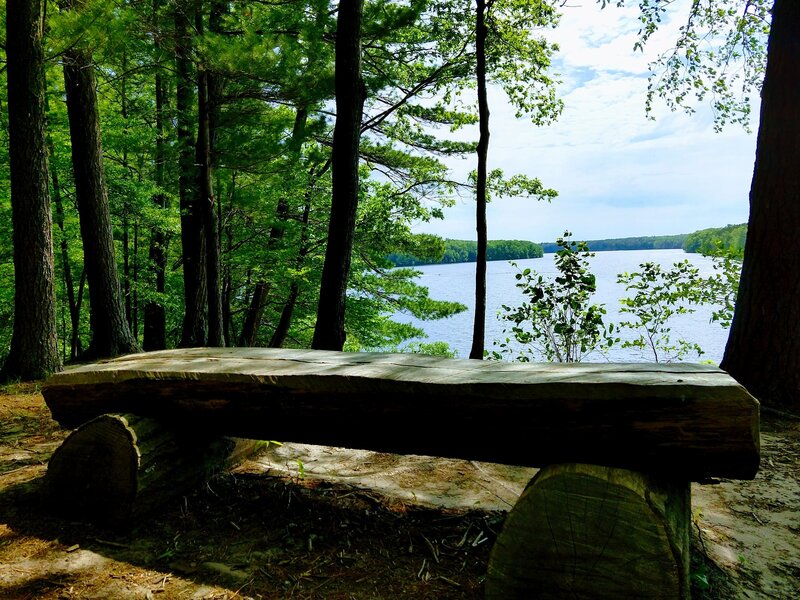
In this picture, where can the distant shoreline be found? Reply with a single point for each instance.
(730, 237)
(650, 242)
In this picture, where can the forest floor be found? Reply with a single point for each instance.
(350, 525)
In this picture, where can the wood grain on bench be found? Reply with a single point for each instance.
(687, 421)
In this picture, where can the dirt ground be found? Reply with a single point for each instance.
(320, 523)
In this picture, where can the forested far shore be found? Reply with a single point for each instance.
(653, 242)
(459, 251)
(704, 241)
(708, 241)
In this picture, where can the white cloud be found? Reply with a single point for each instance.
(617, 172)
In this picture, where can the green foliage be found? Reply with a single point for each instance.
(519, 60)
(658, 296)
(558, 322)
(722, 288)
(720, 54)
(430, 349)
(516, 186)
(729, 239)
(272, 64)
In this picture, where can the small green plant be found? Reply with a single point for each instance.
(699, 578)
(722, 288)
(431, 349)
(558, 322)
(659, 295)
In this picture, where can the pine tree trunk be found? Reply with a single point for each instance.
(155, 318)
(126, 265)
(205, 189)
(479, 322)
(126, 209)
(192, 234)
(134, 292)
(227, 274)
(69, 283)
(285, 321)
(252, 322)
(763, 350)
(205, 203)
(329, 331)
(110, 332)
(34, 344)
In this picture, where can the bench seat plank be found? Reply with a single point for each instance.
(683, 420)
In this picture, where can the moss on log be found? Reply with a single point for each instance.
(590, 532)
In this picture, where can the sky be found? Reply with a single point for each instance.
(618, 173)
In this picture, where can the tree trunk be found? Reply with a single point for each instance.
(134, 292)
(155, 317)
(252, 322)
(479, 322)
(126, 208)
(227, 274)
(69, 283)
(329, 331)
(34, 343)
(586, 531)
(763, 350)
(285, 321)
(192, 234)
(126, 264)
(118, 467)
(205, 190)
(110, 332)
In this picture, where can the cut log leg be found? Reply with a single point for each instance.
(589, 532)
(117, 467)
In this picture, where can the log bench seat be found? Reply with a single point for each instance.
(607, 516)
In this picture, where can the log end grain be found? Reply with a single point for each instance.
(586, 531)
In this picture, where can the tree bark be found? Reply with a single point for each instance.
(284, 323)
(763, 349)
(126, 207)
(252, 322)
(329, 333)
(192, 234)
(110, 332)
(34, 344)
(69, 283)
(479, 321)
(227, 270)
(206, 106)
(155, 318)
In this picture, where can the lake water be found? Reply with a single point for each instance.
(456, 282)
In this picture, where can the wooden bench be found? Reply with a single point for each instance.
(607, 516)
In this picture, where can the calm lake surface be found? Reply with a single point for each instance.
(456, 282)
